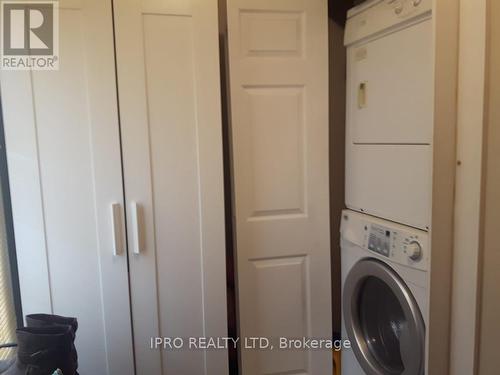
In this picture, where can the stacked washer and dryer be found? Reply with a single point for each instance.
(384, 233)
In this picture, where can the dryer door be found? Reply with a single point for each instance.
(383, 321)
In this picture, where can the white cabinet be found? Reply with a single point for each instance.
(66, 150)
(168, 79)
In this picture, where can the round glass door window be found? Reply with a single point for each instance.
(383, 321)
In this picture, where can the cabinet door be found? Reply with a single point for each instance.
(278, 62)
(168, 79)
(63, 150)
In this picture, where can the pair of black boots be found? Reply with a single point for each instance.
(45, 346)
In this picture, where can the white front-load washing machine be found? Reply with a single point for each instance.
(384, 296)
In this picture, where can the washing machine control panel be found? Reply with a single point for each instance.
(386, 240)
(402, 246)
(379, 240)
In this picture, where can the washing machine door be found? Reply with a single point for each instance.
(383, 321)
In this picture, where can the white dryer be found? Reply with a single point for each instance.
(390, 96)
(384, 296)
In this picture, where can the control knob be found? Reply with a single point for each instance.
(414, 251)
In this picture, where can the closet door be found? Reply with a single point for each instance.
(168, 79)
(63, 150)
(278, 61)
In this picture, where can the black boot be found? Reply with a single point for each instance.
(43, 350)
(44, 320)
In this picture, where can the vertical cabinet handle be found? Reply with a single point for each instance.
(136, 227)
(116, 224)
(362, 95)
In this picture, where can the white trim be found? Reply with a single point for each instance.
(471, 81)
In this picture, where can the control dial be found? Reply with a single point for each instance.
(414, 251)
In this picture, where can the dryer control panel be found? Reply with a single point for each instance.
(404, 8)
(379, 16)
(399, 243)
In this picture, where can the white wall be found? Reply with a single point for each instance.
(489, 360)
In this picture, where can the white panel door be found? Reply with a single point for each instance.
(168, 79)
(63, 150)
(278, 57)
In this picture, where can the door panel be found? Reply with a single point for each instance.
(62, 139)
(275, 136)
(279, 102)
(168, 78)
(270, 306)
